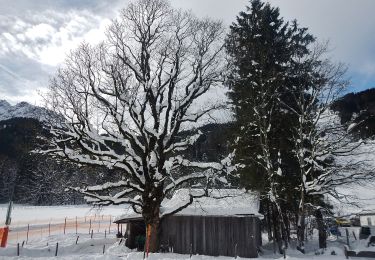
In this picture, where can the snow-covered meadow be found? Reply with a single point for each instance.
(43, 246)
(88, 248)
(30, 214)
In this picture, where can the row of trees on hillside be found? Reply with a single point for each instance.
(27, 177)
(131, 104)
(40, 180)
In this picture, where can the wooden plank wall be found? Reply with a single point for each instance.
(134, 228)
(212, 235)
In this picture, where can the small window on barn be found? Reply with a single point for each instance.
(369, 221)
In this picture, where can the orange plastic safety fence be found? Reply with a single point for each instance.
(44, 228)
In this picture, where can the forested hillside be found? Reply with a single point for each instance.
(361, 108)
(37, 179)
(32, 178)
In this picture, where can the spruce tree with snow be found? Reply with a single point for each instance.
(126, 101)
(262, 47)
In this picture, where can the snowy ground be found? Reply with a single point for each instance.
(30, 222)
(34, 214)
(88, 248)
(42, 245)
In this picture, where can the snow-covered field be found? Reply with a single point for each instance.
(41, 245)
(88, 248)
(32, 214)
(30, 223)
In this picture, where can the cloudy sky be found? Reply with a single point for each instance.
(36, 35)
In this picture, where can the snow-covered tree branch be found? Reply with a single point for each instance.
(320, 140)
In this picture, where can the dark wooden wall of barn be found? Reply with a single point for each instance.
(212, 235)
(133, 229)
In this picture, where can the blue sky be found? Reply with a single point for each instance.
(35, 36)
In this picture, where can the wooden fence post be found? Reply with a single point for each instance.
(346, 252)
(92, 233)
(110, 222)
(355, 237)
(76, 226)
(57, 248)
(18, 249)
(90, 226)
(103, 249)
(347, 236)
(64, 226)
(27, 234)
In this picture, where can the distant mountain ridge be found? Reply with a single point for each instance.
(359, 107)
(21, 110)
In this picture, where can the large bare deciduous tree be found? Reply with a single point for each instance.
(126, 101)
(324, 148)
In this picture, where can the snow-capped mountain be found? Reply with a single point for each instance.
(21, 110)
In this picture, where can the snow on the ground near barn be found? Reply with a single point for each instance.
(88, 248)
(43, 247)
(25, 213)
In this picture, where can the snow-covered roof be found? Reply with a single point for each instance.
(217, 202)
(221, 202)
(367, 212)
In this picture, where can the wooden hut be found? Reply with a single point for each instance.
(225, 222)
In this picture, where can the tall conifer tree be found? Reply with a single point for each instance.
(262, 48)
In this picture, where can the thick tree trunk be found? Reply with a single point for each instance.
(269, 222)
(152, 199)
(301, 223)
(286, 231)
(152, 236)
(276, 229)
(321, 229)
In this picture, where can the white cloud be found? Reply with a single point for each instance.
(35, 36)
(32, 46)
(41, 31)
(348, 24)
(10, 38)
(49, 40)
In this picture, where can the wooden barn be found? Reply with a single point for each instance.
(367, 218)
(225, 223)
